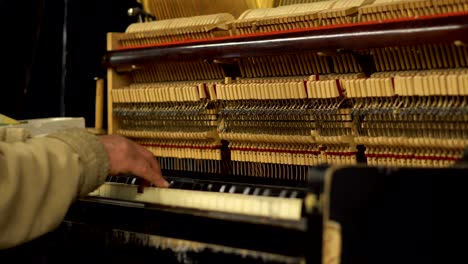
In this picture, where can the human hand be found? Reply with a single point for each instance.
(126, 156)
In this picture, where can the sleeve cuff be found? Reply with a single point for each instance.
(92, 155)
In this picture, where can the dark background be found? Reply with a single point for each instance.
(34, 83)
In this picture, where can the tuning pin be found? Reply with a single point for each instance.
(140, 13)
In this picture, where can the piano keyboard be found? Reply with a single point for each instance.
(272, 202)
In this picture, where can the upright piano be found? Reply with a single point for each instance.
(304, 133)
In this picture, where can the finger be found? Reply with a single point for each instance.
(141, 168)
(157, 177)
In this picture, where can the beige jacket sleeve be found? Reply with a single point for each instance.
(40, 178)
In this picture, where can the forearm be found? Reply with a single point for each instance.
(40, 178)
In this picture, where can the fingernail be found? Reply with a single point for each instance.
(166, 184)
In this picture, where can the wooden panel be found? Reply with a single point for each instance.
(114, 81)
(113, 40)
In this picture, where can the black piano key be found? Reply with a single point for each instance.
(197, 187)
(223, 188)
(128, 180)
(124, 179)
(240, 189)
(171, 184)
(208, 187)
(232, 189)
(214, 187)
(133, 180)
(138, 181)
(175, 185)
(186, 186)
(121, 179)
(266, 192)
(112, 178)
(257, 191)
(275, 192)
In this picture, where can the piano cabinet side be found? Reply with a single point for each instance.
(114, 81)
